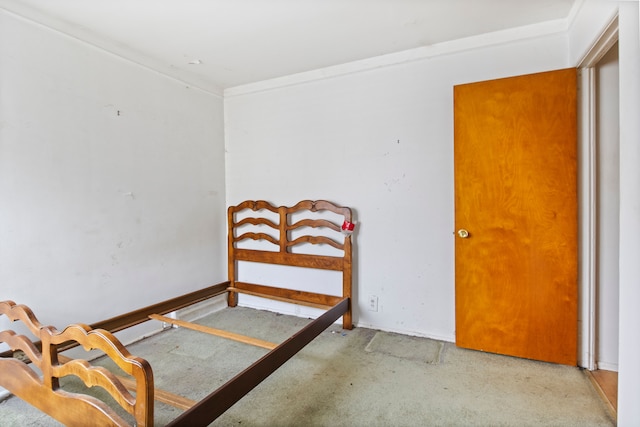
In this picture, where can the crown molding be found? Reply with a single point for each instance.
(407, 56)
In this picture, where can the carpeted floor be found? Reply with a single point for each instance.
(357, 378)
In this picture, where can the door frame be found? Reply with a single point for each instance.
(587, 170)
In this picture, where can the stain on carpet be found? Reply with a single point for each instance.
(411, 348)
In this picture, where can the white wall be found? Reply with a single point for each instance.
(381, 142)
(629, 350)
(608, 209)
(111, 180)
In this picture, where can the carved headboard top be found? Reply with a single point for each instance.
(288, 231)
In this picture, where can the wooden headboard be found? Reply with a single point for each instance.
(72, 408)
(282, 248)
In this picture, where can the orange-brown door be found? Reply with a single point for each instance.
(516, 216)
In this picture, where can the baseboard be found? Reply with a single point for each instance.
(201, 309)
(608, 366)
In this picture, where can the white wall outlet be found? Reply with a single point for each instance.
(373, 303)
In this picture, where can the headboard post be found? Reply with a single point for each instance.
(284, 234)
(49, 359)
(232, 298)
(347, 280)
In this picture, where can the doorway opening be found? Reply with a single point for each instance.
(600, 222)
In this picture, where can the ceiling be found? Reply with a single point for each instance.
(218, 44)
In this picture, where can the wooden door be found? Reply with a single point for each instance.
(516, 196)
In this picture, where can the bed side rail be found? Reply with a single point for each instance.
(45, 393)
(216, 403)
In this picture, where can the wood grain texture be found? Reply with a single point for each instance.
(311, 299)
(160, 395)
(606, 383)
(516, 193)
(214, 331)
(69, 409)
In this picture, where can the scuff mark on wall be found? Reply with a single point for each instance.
(394, 182)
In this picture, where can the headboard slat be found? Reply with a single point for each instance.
(257, 221)
(314, 240)
(293, 260)
(257, 236)
(315, 223)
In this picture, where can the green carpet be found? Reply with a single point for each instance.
(357, 378)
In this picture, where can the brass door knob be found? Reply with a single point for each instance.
(463, 233)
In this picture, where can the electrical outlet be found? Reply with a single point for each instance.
(373, 303)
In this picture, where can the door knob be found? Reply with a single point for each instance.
(463, 233)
